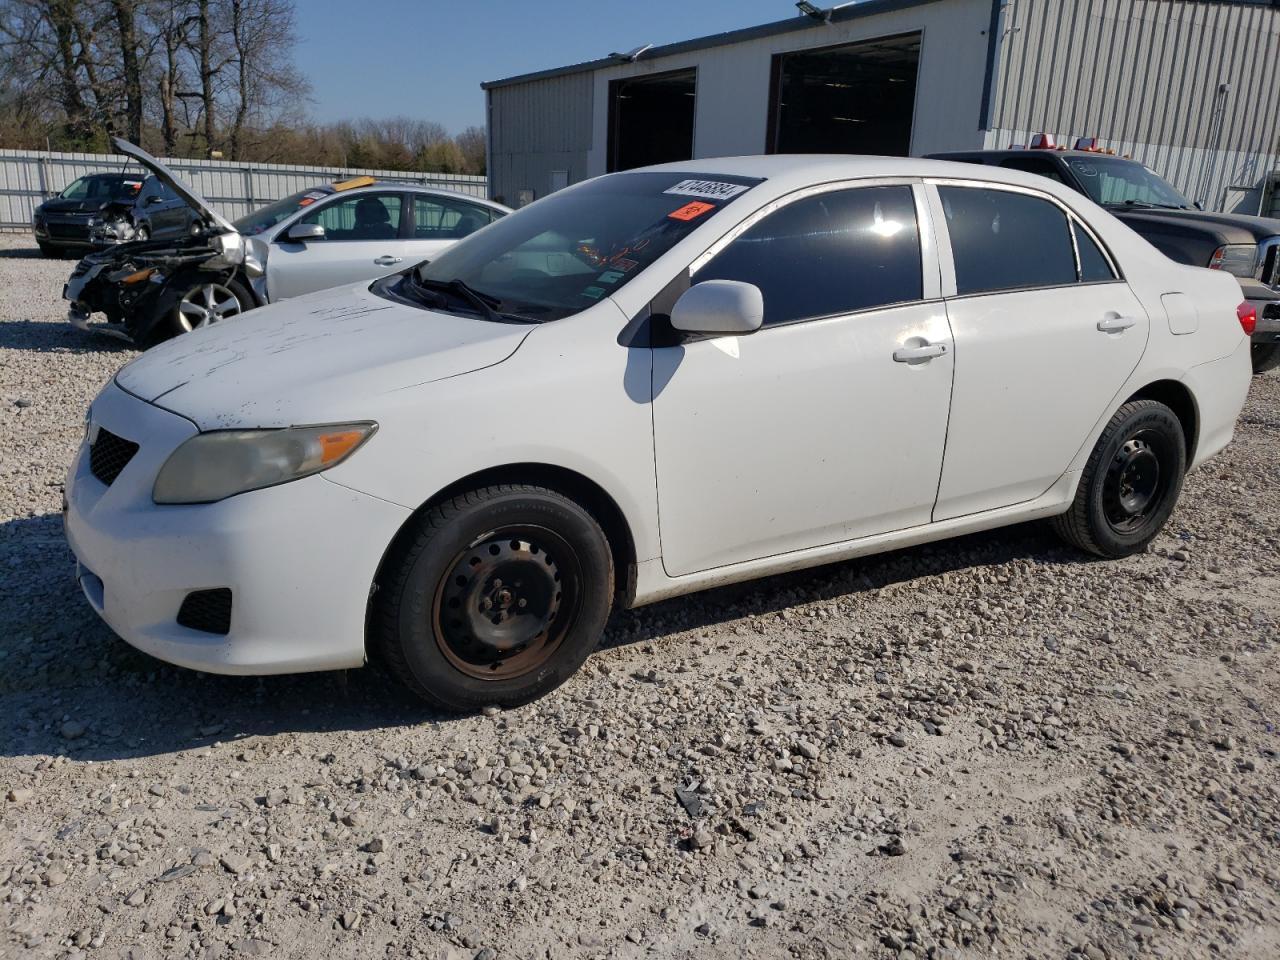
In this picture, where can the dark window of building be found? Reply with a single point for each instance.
(651, 119)
(1094, 267)
(1003, 240)
(828, 254)
(857, 98)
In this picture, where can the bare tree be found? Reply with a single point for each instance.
(132, 62)
(473, 144)
(261, 40)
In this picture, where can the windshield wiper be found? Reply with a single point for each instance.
(1147, 204)
(484, 304)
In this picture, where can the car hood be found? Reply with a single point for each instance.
(60, 206)
(314, 359)
(175, 183)
(1228, 227)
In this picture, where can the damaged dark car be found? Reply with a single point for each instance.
(102, 209)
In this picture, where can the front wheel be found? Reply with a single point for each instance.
(206, 301)
(1130, 484)
(1265, 356)
(494, 597)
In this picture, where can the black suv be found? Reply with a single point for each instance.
(105, 208)
(1248, 247)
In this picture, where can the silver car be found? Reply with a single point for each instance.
(355, 230)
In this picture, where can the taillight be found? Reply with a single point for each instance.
(1248, 318)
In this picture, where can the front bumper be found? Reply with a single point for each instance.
(299, 558)
(1268, 328)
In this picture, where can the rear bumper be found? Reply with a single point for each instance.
(1220, 389)
(299, 559)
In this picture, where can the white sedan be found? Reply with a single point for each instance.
(641, 386)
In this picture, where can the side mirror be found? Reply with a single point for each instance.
(302, 232)
(721, 308)
(1199, 204)
(152, 200)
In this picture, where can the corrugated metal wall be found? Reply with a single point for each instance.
(1146, 77)
(537, 128)
(27, 177)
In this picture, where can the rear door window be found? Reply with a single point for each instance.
(1094, 266)
(829, 254)
(1002, 240)
(441, 218)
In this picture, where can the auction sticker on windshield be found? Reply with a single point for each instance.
(711, 189)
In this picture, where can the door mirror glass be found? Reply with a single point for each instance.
(154, 199)
(721, 308)
(302, 232)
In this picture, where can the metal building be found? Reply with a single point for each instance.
(1186, 86)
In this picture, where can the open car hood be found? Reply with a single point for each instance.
(178, 186)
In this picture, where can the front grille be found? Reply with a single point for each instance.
(68, 231)
(1271, 264)
(109, 455)
(208, 611)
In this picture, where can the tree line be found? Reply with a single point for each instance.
(190, 78)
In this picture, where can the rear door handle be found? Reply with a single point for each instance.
(916, 354)
(387, 261)
(1116, 324)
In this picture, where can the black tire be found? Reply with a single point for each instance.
(435, 617)
(49, 250)
(1265, 356)
(1130, 484)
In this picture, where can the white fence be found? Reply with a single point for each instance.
(28, 177)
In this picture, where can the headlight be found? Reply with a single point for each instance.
(214, 466)
(1240, 259)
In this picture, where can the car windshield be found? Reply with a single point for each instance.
(101, 187)
(568, 251)
(266, 217)
(1113, 181)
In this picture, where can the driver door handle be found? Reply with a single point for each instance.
(1116, 324)
(387, 261)
(914, 354)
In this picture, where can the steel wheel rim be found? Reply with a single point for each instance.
(206, 304)
(1135, 484)
(507, 602)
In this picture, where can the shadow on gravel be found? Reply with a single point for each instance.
(26, 253)
(71, 687)
(1028, 541)
(47, 336)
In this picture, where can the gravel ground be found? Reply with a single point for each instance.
(992, 747)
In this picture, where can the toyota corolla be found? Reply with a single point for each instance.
(644, 385)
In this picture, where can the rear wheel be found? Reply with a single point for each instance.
(495, 596)
(1265, 356)
(1130, 484)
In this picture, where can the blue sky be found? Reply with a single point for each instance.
(426, 58)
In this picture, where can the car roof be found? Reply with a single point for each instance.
(792, 171)
(1026, 152)
(411, 187)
